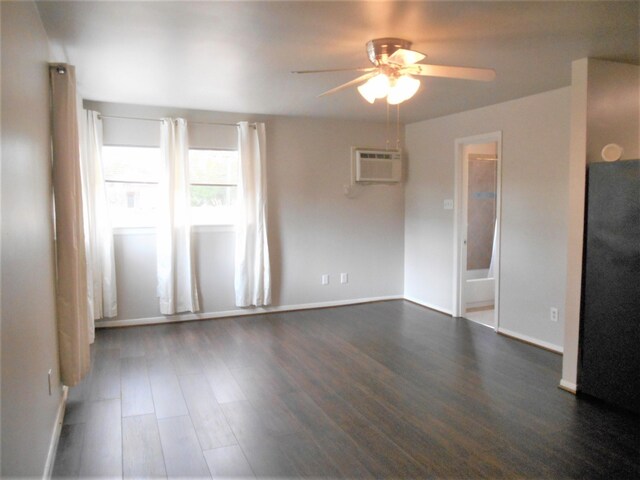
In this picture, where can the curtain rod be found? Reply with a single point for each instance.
(159, 120)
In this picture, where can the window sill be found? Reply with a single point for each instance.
(152, 230)
(213, 228)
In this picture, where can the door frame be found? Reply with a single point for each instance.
(459, 216)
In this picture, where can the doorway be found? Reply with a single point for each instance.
(477, 228)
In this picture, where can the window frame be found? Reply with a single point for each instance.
(129, 228)
(197, 227)
(198, 184)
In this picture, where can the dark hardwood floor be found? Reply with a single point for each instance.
(369, 391)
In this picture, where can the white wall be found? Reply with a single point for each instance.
(613, 111)
(605, 108)
(319, 230)
(29, 338)
(535, 153)
(313, 227)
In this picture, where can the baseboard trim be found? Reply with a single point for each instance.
(430, 306)
(55, 435)
(568, 386)
(530, 340)
(486, 303)
(187, 317)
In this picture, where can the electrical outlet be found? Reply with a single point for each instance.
(448, 204)
(344, 278)
(553, 314)
(325, 279)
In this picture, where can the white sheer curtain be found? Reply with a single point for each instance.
(177, 288)
(101, 270)
(494, 251)
(252, 268)
(71, 275)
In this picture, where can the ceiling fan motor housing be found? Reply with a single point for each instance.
(380, 49)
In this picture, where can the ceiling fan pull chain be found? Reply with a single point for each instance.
(387, 126)
(397, 126)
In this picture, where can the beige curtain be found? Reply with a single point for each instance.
(73, 324)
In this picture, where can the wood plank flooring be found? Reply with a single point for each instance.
(376, 390)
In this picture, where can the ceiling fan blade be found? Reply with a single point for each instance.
(361, 78)
(465, 73)
(361, 69)
(405, 57)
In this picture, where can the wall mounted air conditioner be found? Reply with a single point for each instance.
(375, 166)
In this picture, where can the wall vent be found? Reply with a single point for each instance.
(376, 166)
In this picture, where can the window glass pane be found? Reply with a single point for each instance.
(213, 205)
(213, 166)
(132, 173)
(132, 204)
(133, 164)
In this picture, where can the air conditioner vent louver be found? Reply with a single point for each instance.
(386, 156)
(376, 166)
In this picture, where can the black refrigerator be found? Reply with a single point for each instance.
(609, 366)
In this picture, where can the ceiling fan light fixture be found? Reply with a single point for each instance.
(376, 87)
(403, 89)
(366, 93)
(394, 63)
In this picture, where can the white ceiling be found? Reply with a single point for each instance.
(237, 56)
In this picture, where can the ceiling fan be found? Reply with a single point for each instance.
(392, 74)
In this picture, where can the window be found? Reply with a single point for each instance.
(214, 185)
(132, 175)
